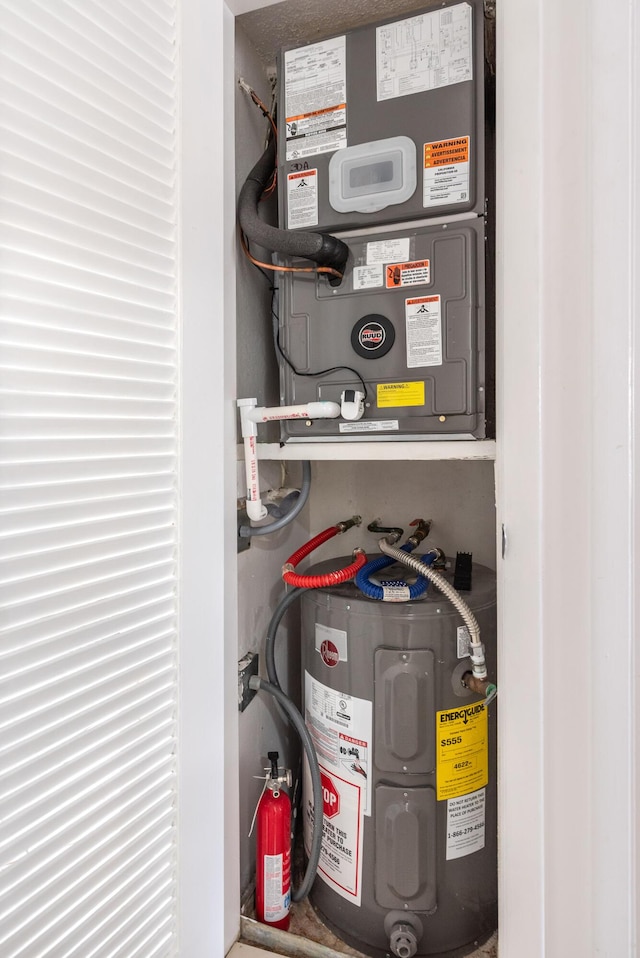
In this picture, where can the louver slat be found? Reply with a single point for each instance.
(88, 485)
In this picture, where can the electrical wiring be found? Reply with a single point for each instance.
(321, 372)
(268, 115)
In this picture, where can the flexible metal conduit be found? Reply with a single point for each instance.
(478, 663)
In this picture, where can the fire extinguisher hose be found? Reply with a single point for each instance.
(328, 578)
(255, 682)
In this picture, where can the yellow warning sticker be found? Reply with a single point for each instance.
(462, 750)
(400, 394)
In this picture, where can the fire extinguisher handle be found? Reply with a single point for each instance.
(273, 758)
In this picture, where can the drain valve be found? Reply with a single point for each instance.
(403, 941)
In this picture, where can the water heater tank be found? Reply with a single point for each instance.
(407, 757)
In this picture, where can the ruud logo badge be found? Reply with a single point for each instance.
(372, 336)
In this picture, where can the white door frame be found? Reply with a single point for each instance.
(568, 242)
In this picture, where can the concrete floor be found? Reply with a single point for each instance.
(308, 936)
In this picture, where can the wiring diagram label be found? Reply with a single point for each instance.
(462, 750)
(465, 824)
(302, 199)
(424, 331)
(446, 172)
(315, 88)
(424, 52)
(340, 726)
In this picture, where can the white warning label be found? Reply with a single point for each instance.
(465, 824)
(424, 52)
(302, 193)
(315, 87)
(340, 726)
(389, 251)
(463, 641)
(368, 277)
(424, 331)
(371, 425)
(395, 593)
(340, 863)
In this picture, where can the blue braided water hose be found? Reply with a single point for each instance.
(373, 591)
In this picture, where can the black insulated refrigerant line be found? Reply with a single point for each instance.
(325, 250)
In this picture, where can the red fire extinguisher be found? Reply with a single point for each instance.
(273, 850)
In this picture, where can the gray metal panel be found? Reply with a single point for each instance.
(441, 113)
(405, 848)
(466, 887)
(404, 709)
(316, 324)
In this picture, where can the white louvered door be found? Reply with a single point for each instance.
(88, 387)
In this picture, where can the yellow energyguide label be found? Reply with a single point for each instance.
(400, 394)
(462, 750)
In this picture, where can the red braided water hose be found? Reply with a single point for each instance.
(312, 544)
(327, 578)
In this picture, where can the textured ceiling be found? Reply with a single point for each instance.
(300, 21)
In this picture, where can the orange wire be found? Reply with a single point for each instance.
(256, 99)
(286, 269)
(267, 192)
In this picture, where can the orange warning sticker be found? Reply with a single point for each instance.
(313, 113)
(446, 152)
(407, 274)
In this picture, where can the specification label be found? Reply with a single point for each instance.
(315, 88)
(340, 726)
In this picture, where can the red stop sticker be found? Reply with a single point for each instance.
(330, 797)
